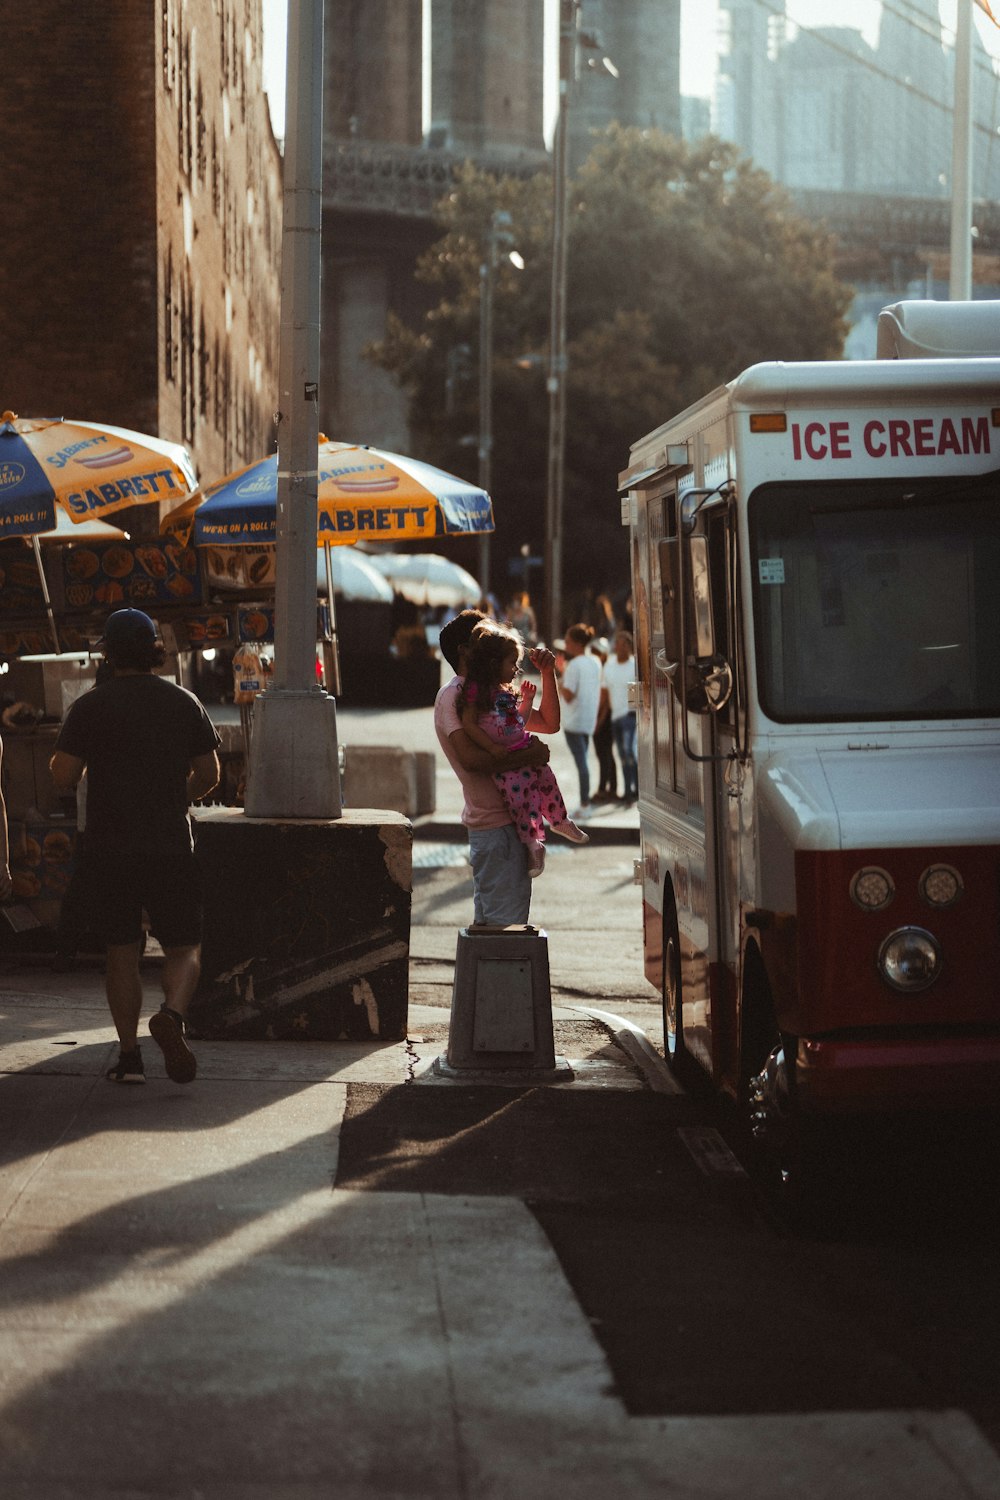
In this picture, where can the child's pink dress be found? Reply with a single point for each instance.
(532, 794)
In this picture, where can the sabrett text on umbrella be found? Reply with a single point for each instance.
(103, 495)
(60, 459)
(382, 518)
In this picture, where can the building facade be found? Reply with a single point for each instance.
(139, 269)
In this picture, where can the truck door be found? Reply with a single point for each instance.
(700, 672)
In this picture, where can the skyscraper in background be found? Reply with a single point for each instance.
(820, 108)
(642, 39)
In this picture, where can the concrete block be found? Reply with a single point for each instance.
(307, 926)
(389, 776)
(426, 782)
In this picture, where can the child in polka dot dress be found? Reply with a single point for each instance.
(493, 716)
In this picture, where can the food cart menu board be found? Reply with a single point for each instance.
(255, 622)
(20, 585)
(130, 574)
(41, 859)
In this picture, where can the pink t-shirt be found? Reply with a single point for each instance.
(484, 805)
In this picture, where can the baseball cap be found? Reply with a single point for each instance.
(127, 627)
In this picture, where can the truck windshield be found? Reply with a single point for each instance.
(877, 599)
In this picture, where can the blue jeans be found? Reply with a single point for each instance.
(624, 729)
(578, 745)
(502, 885)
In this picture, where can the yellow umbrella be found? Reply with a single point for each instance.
(51, 467)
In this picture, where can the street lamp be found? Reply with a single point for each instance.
(571, 39)
(960, 270)
(500, 236)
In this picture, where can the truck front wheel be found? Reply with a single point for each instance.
(671, 990)
(767, 1085)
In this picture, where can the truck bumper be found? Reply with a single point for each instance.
(944, 1071)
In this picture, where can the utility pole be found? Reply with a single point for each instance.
(571, 40)
(294, 771)
(960, 274)
(569, 26)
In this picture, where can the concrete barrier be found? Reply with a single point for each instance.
(307, 927)
(389, 776)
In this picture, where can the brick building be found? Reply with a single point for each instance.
(142, 222)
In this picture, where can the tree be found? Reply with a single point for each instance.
(686, 265)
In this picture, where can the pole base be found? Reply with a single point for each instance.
(508, 1077)
(294, 771)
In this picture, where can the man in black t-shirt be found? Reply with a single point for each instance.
(148, 748)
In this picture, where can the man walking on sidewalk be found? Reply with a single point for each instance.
(501, 883)
(149, 749)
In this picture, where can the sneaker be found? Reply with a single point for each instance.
(536, 859)
(128, 1068)
(166, 1028)
(567, 829)
(583, 811)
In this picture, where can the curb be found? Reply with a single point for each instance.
(636, 1044)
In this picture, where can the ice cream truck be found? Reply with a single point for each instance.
(815, 554)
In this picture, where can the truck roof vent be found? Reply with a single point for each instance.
(939, 330)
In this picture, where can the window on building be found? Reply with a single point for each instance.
(204, 363)
(169, 358)
(216, 386)
(186, 365)
(166, 43)
(201, 132)
(216, 176)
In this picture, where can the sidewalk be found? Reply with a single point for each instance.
(191, 1308)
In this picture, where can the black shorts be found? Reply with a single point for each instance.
(116, 891)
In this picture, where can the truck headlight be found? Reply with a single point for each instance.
(909, 959)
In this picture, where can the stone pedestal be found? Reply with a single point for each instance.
(501, 1009)
(307, 927)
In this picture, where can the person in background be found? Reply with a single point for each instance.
(493, 713)
(602, 617)
(6, 885)
(607, 790)
(581, 695)
(521, 617)
(500, 878)
(149, 749)
(628, 618)
(618, 674)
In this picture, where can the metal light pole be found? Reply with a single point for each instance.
(960, 273)
(486, 399)
(569, 26)
(500, 234)
(294, 770)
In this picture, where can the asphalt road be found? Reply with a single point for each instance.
(708, 1294)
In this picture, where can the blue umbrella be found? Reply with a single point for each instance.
(364, 495)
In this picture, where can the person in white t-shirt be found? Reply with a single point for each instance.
(619, 672)
(501, 882)
(581, 694)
